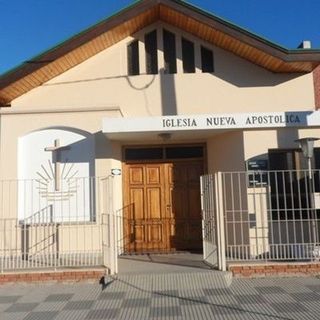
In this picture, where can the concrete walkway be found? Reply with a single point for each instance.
(178, 286)
(287, 298)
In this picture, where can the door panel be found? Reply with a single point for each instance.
(153, 175)
(136, 175)
(186, 204)
(136, 195)
(154, 207)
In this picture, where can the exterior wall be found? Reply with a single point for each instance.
(235, 86)
(226, 152)
(257, 142)
(316, 80)
(14, 126)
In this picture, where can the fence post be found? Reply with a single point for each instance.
(203, 216)
(220, 222)
(112, 244)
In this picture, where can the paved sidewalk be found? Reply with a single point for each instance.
(286, 298)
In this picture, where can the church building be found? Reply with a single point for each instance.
(105, 137)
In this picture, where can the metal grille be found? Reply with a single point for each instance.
(44, 228)
(271, 215)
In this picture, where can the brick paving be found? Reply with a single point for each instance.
(134, 297)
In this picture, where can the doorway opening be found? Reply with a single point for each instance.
(162, 205)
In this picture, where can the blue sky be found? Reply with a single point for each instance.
(28, 27)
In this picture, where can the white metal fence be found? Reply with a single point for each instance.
(42, 226)
(269, 215)
(209, 221)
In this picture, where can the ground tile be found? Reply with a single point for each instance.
(9, 299)
(22, 307)
(13, 315)
(50, 306)
(79, 305)
(103, 314)
(107, 304)
(166, 293)
(226, 310)
(193, 300)
(45, 315)
(278, 297)
(315, 288)
(58, 297)
(270, 290)
(288, 307)
(136, 303)
(217, 291)
(72, 315)
(134, 313)
(306, 297)
(112, 295)
(249, 299)
(161, 312)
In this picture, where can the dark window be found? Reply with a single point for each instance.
(206, 60)
(144, 153)
(133, 58)
(188, 56)
(158, 153)
(169, 51)
(184, 152)
(289, 183)
(151, 52)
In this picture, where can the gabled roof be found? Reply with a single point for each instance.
(106, 33)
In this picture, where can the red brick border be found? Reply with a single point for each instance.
(276, 270)
(53, 276)
(316, 81)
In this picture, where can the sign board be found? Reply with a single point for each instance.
(257, 176)
(116, 172)
(212, 121)
(257, 165)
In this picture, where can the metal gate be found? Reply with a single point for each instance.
(212, 222)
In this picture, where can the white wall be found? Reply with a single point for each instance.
(38, 196)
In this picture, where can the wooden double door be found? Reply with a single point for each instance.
(162, 207)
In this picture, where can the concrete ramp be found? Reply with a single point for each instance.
(170, 272)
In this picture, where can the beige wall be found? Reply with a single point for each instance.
(226, 152)
(235, 86)
(17, 125)
(257, 142)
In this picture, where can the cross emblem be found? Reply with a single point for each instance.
(57, 161)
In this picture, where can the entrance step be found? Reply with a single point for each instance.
(162, 263)
(175, 281)
(169, 272)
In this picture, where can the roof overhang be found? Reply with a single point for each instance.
(208, 27)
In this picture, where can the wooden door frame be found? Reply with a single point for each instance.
(126, 163)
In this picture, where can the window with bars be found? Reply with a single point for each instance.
(188, 60)
(206, 60)
(169, 52)
(133, 58)
(151, 52)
